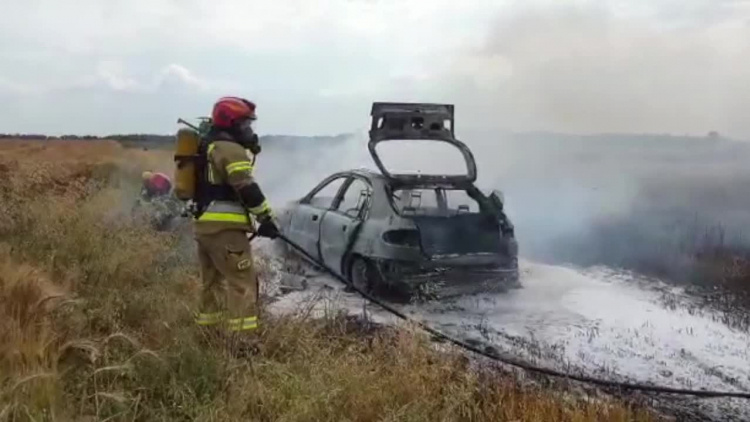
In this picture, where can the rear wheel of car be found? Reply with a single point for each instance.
(515, 277)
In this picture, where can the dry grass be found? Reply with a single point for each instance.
(95, 324)
(724, 275)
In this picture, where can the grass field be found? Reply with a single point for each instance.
(96, 324)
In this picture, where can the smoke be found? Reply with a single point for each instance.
(288, 169)
(586, 67)
(589, 67)
(640, 202)
(629, 199)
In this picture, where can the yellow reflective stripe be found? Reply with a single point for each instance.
(208, 319)
(242, 324)
(261, 209)
(239, 166)
(210, 169)
(224, 217)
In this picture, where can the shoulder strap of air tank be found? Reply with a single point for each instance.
(206, 191)
(201, 178)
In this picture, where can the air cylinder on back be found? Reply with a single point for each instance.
(186, 151)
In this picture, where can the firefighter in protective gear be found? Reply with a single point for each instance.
(156, 200)
(155, 184)
(229, 198)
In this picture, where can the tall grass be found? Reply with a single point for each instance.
(95, 324)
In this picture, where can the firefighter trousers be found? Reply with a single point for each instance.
(230, 282)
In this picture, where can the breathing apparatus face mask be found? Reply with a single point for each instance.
(247, 136)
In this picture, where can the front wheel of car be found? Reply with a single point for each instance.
(360, 275)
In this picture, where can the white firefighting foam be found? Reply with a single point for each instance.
(593, 321)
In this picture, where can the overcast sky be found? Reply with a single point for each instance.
(314, 67)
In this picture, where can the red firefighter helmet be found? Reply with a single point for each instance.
(230, 110)
(156, 183)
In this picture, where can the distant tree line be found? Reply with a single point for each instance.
(147, 141)
(152, 138)
(145, 137)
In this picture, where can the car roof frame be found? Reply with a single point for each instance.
(347, 175)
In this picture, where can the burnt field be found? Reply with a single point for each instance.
(669, 207)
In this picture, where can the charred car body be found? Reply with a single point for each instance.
(404, 233)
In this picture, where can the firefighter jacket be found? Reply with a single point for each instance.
(229, 169)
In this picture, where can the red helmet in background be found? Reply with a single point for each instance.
(228, 111)
(156, 184)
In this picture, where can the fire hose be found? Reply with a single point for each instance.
(509, 360)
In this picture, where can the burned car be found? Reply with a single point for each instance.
(434, 235)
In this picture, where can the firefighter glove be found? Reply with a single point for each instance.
(268, 228)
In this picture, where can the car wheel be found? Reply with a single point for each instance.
(360, 275)
(514, 280)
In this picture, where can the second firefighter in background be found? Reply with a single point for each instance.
(231, 196)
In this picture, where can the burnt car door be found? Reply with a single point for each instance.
(308, 214)
(341, 224)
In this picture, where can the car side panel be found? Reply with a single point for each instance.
(304, 228)
(303, 218)
(336, 231)
(382, 217)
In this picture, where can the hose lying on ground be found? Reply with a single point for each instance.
(511, 360)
